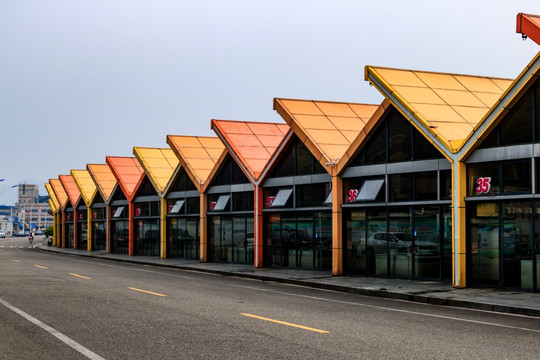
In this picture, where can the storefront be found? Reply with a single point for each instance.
(503, 200)
(82, 226)
(297, 213)
(99, 223)
(119, 223)
(183, 213)
(69, 226)
(396, 206)
(146, 220)
(230, 216)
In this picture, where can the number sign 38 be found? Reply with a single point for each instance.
(484, 185)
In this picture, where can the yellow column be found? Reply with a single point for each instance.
(163, 229)
(337, 226)
(203, 230)
(89, 229)
(55, 228)
(459, 244)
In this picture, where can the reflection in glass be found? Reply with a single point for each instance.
(427, 242)
(356, 243)
(399, 242)
(323, 240)
(484, 243)
(376, 241)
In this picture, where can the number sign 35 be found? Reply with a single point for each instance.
(484, 185)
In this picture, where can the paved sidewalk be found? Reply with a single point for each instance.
(432, 292)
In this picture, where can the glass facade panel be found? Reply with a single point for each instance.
(304, 159)
(272, 250)
(447, 243)
(517, 127)
(230, 239)
(120, 236)
(517, 177)
(445, 184)
(483, 179)
(425, 186)
(98, 235)
(401, 187)
(484, 243)
(356, 244)
(82, 232)
(146, 237)
(240, 240)
(399, 139)
(423, 149)
(516, 245)
(536, 258)
(323, 240)
(305, 240)
(226, 237)
(399, 238)
(377, 240)
(375, 152)
(427, 240)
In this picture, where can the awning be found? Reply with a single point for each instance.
(221, 203)
(282, 197)
(370, 189)
(177, 206)
(118, 212)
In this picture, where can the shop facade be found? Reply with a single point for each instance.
(297, 213)
(183, 214)
(119, 222)
(99, 224)
(82, 226)
(503, 200)
(397, 205)
(146, 220)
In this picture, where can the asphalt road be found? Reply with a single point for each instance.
(55, 306)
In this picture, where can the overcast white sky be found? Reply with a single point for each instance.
(80, 80)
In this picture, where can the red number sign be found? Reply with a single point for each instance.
(212, 205)
(353, 193)
(138, 212)
(270, 200)
(484, 185)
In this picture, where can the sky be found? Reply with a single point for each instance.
(81, 80)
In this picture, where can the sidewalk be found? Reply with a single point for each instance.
(507, 301)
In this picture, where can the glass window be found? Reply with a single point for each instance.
(423, 149)
(483, 179)
(445, 184)
(323, 240)
(304, 159)
(399, 138)
(225, 173)
(517, 177)
(285, 166)
(427, 239)
(375, 152)
(425, 186)
(399, 238)
(283, 198)
(193, 205)
(401, 187)
(484, 243)
(238, 175)
(377, 247)
(142, 209)
(357, 258)
(517, 126)
(243, 201)
(304, 195)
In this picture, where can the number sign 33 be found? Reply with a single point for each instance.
(484, 185)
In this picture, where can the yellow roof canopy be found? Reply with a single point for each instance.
(86, 185)
(52, 196)
(449, 106)
(160, 164)
(60, 193)
(103, 178)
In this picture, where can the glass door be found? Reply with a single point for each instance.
(484, 243)
(399, 242)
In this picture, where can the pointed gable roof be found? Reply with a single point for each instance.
(200, 156)
(87, 186)
(103, 178)
(71, 188)
(330, 130)
(60, 193)
(160, 165)
(52, 196)
(251, 143)
(128, 172)
(448, 106)
(53, 206)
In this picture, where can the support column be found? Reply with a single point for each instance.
(55, 229)
(163, 229)
(459, 243)
(108, 229)
(258, 231)
(89, 244)
(337, 226)
(203, 249)
(131, 229)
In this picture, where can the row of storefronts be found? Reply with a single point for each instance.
(439, 182)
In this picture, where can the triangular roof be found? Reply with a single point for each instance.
(447, 106)
(128, 172)
(103, 178)
(515, 91)
(52, 196)
(160, 165)
(529, 25)
(252, 144)
(61, 194)
(330, 130)
(71, 188)
(200, 156)
(85, 183)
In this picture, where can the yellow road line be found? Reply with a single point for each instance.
(80, 276)
(146, 291)
(286, 323)
(41, 267)
(15, 260)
